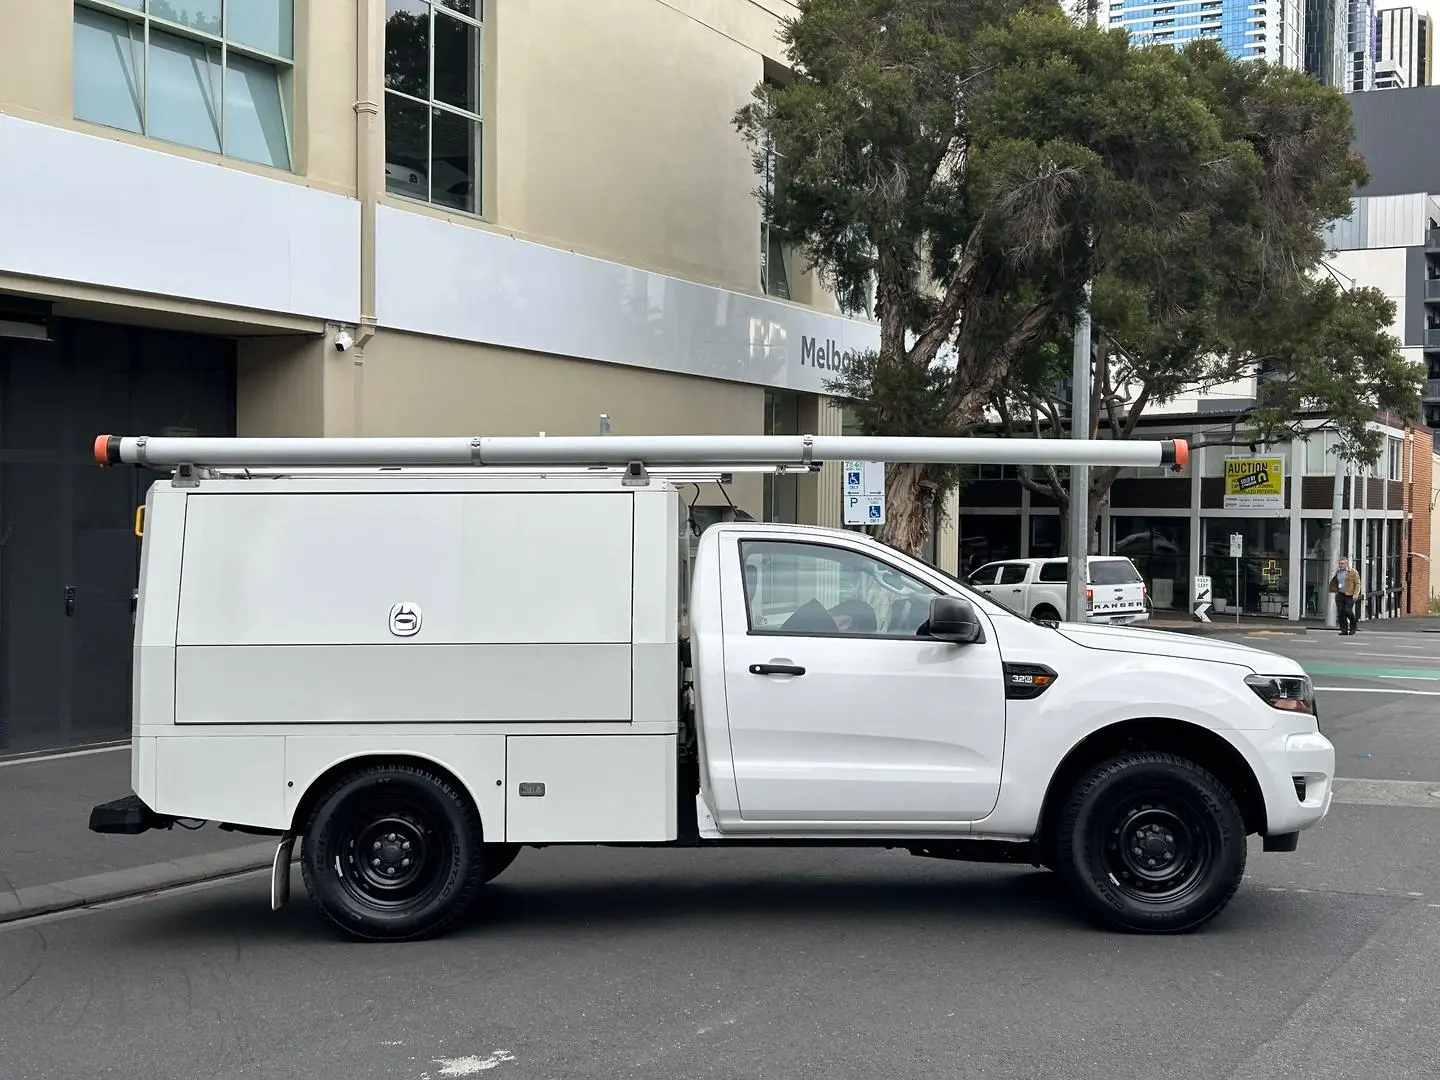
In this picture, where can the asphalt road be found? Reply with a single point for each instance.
(826, 964)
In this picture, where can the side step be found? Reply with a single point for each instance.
(129, 815)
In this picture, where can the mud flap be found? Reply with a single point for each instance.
(280, 873)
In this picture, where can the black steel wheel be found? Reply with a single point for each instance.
(1046, 614)
(393, 853)
(1151, 842)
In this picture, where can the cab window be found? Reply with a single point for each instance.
(794, 587)
(1012, 573)
(985, 575)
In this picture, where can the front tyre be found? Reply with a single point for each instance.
(1151, 843)
(393, 853)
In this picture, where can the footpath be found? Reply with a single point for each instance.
(51, 861)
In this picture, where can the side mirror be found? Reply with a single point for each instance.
(952, 619)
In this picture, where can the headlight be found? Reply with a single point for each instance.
(1292, 693)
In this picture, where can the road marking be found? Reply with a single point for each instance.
(64, 754)
(469, 1066)
(1360, 672)
(1375, 690)
(1413, 793)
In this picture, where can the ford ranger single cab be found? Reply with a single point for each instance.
(415, 674)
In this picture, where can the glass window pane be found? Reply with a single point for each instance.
(407, 47)
(465, 7)
(457, 63)
(455, 162)
(109, 66)
(262, 24)
(254, 120)
(184, 91)
(202, 15)
(407, 148)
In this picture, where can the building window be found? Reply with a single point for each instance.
(217, 75)
(1160, 549)
(774, 248)
(433, 125)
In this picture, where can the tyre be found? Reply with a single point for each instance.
(1045, 613)
(393, 853)
(498, 858)
(1150, 843)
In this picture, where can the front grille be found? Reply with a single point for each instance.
(1299, 787)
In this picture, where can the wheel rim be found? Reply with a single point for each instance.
(1158, 848)
(392, 853)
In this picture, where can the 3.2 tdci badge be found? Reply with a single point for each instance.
(405, 620)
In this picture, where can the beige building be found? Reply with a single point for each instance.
(331, 217)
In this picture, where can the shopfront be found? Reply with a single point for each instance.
(1257, 583)
(1160, 549)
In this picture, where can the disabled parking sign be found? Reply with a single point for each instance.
(863, 499)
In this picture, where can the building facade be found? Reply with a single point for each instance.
(331, 217)
(1269, 30)
(1175, 526)
(1327, 40)
(1361, 46)
(1403, 48)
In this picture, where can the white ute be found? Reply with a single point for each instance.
(1038, 588)
(421, 655)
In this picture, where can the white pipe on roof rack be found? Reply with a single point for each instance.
(654, 451)
(687, 474)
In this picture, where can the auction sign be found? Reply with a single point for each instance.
(1254, 483)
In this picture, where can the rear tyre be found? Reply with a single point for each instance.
(498, 858)
(393, 853)
(1150, 843)
(1045, 613)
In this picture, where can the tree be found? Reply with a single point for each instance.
(973, 162)
(1234, 296)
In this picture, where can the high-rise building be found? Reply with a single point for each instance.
(1270, 30)
(1403, 51)
(1361, 47)
(1327, 40)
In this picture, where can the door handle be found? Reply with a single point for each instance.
(69, 600)
(776, 669)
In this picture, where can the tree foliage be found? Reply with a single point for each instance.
(1241, 293)
(977, 163)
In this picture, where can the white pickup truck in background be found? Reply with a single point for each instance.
(1037, 588)
(417, 671)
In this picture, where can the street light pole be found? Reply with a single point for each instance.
(1078, 577)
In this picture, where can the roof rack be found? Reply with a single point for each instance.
(630, 452)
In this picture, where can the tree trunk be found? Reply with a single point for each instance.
(1101, 481)
(907, 506)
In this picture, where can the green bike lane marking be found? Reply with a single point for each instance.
(1361, 671)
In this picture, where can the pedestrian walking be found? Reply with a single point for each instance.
(1345, 584)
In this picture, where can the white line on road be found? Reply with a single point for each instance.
(1375, 690)
(65, 754)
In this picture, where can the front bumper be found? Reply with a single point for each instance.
(1297, 778)
(129, 816)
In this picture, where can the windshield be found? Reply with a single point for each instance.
(1113, 572)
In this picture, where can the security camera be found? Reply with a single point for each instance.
(343, 341)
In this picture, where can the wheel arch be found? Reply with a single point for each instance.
(1180, 737)
(356, 762)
